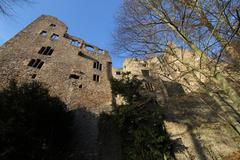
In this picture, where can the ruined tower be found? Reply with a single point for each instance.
(72, 69)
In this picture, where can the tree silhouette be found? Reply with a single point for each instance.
(33, 124)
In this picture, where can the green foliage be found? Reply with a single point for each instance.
(128, 87)
(142, 132)
(33, 125)
(141, 126)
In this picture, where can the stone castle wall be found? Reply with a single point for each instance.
(75, 71)
(166, 68)
(163, 76)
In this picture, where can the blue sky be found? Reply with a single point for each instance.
(91, 20)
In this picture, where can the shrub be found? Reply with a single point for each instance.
(142, 132)
(33, 125)
(128, 87)
(140, 123)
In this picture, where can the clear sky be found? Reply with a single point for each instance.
(91, 20)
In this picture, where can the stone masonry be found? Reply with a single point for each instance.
(79, 73)
(194, 122)
(72, 69)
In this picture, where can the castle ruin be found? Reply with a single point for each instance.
(72, 69)
(79, 73)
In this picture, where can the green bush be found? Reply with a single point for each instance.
(141, 128)
(128, 87)
(142, 132)
(33, 125)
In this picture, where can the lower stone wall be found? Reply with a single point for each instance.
(85, 134)
(197, 126)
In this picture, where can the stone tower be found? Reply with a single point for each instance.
(72, 69)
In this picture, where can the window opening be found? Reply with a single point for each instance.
(50, 52)
(46, 51)
(43, 33)
(97, 65)
(54, 37)
(94, 64)
(53, 25)
(41, 50)
(96, 78)
(31, 62)
(40, 65)
(118, 73)
(36, 63)
(89, 48)
(73, 76)
(75, 43)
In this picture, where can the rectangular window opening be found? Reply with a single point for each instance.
(75, 43)
(36, 63)
(40, 65)
(46, 50)
(89, 48)
(97, 78)
(94, 64)
(41, 51)
(31, 62)
(97, 65)
(73, 76)
(118, 73)
(94, 77)
(43, 33)
(54, 37)
(50, 52)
